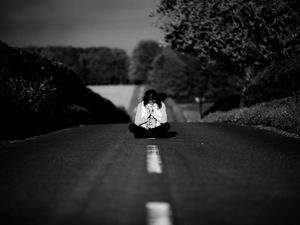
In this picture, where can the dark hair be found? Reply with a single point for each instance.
(151, 95)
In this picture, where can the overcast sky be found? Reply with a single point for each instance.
(83, 23)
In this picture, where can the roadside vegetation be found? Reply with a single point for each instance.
(249, 52)
(237, 54)
(38, 96)
(94, 66)
(283, 114)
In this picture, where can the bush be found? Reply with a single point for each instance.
(225, 104)
(282, 79)
(281, 113)
(38, 96)
(103, 110)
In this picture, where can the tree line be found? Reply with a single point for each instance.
(212, 49)
(95, 65)
(180, 75)
(249, 37)
(176, 74)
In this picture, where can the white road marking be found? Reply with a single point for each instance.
(154, 164)
(159, 213)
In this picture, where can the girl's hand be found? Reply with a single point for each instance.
(155, 107)
(150, 109)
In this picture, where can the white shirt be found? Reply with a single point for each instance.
(157, 117)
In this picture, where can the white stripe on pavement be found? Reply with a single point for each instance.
(154, 164)
(159, 213)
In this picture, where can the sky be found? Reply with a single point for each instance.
(78, 23)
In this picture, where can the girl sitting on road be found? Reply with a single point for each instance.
(150, 118)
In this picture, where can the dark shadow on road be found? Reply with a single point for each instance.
(172, 134)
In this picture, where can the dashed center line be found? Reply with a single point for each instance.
(154, 164)
(159, 213)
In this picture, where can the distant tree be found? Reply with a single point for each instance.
(120, 64)
(104, 65)
(197, 81)
(169, 74)
(142, 58)
(221, 81)
(101, 65)
(251, 33)
(67, 55)
(185, 77)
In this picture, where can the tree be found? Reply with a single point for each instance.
(251, 33)
(197, 81)
(169, 74)
(142, 58)
(221, 81)
(280, 80)
(185, 77)
(120, 65)
(96, 65)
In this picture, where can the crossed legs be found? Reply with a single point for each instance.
(157, 132)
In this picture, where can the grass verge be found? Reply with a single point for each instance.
(283, 114)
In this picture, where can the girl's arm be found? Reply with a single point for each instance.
(139, 120)
(163, 117)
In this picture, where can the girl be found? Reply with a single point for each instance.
(150, 118)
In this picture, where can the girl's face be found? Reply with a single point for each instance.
(151, 102)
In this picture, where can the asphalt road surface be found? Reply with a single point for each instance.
(99, 174)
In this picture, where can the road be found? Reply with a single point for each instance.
(99, 174)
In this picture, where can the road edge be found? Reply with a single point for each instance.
(176, 110)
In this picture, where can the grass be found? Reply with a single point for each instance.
(283, 114)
